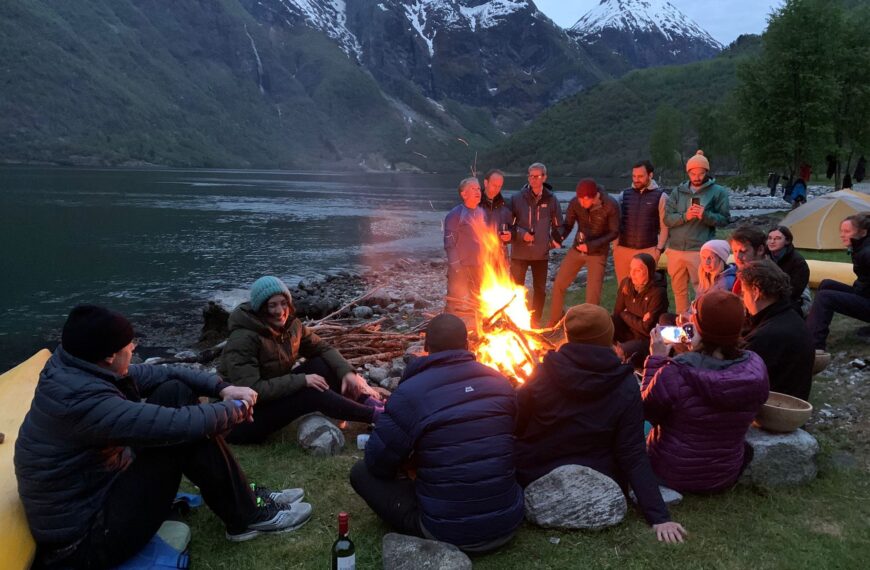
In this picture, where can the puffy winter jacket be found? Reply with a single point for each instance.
(259, 357)
(460, 237)
(599, 224)
(79, 435)
(455, 419)
(781, 338)
(582, 407)
(690, 235)
(798, 271)
(701, 408)
(860, 252)
(541, 217)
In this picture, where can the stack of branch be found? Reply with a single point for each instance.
(362, 343)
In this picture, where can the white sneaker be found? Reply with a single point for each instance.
(272, 519)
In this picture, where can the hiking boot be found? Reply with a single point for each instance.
(283, 498)
(271, 519)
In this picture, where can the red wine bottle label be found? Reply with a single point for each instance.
(346, 562)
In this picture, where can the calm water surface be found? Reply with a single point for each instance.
(156, 244)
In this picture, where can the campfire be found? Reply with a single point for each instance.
(505, 339)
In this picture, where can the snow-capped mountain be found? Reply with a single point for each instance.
(644, 33)
(491, 53)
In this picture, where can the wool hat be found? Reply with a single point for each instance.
(719, 247)
(93, 333)
(719, 317)
(587, 188)
(698, 161)
(589, 324)
(264, 288)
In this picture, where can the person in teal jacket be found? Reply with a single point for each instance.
(693, 211)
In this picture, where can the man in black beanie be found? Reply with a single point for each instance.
(98, 467)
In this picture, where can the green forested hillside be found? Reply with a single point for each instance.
(179, 83)
(602, 130)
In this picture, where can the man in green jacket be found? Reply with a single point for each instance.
(693, 211)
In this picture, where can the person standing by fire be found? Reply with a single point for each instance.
(498, 214)
(596, 215)
(463, 249)
(536, 218)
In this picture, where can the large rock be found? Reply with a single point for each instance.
(378, 374)
(402, 552)
(575, 497)
(319, 436)
(363, 312)
(781, 459)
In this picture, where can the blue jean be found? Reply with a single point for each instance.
(834, 297)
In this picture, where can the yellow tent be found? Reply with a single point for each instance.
(816, 224)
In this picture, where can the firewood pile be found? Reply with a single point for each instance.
(364, 343)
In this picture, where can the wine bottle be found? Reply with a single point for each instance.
(343, 551)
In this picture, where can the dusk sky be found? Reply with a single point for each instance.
(725, 20)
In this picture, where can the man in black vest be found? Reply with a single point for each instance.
(641, 223)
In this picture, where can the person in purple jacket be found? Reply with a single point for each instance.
(702, 402)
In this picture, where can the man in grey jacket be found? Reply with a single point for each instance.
(98, 468)
(536, 219)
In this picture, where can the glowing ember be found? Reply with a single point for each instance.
(506, 340)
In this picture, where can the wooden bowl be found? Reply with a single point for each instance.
(783, 413)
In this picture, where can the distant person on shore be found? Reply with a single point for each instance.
(596, 216)
(641, 299)
(782, 252)
(835, 297)
(582, 407)
(266, 339)
(463, 248)
(748, 244)
(777, 333)
(642, 226)
(715, 272)
(536, 218)
(797, 193)
(440, 462)
(498, 214)
(693, 211)
(98, 468)
(702, 402)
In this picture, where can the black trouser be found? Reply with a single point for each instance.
(140, 499)
(271, 416)
(393, 500)
(519, 268)
(634, 346)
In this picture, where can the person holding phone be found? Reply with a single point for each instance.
(701, 402)
(692, 213)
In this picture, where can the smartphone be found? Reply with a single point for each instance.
(674, 335)
(696, 200)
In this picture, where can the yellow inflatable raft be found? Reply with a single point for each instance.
(16, 392)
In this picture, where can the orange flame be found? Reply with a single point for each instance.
(503, 317)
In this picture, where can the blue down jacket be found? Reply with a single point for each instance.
(77, 437)
(454, 418)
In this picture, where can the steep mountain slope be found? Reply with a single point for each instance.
(603, 130)
(628, 34)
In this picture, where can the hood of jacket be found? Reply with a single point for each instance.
(726, 384)
(585, 371)
(435, 360)
(686, 187)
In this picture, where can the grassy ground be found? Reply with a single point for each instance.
(825, 524)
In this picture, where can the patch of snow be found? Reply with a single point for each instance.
(436, 104)
(489, 14)
(328, 16)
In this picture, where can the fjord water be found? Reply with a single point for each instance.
(156, 244)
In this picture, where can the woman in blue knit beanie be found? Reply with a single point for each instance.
(266, 339)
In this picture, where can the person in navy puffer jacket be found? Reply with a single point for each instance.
(702, 402)
(582, 407)
(449, 427)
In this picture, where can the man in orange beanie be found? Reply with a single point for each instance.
(693, 211)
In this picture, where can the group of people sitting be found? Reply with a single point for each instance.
(101, 452)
